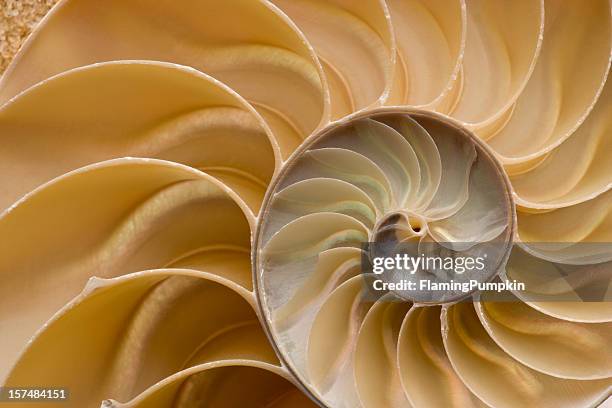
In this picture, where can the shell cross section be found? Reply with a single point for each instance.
(391, 184)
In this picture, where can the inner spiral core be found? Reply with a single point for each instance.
(371, 203)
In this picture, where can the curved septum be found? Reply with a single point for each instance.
(402, 224)
(367, 205)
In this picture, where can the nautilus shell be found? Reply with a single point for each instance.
(188, 190)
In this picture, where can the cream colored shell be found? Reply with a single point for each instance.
(139, 139)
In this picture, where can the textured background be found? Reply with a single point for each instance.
(17, 18)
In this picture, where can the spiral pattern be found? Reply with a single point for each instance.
(183, 181)
(395, 175)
